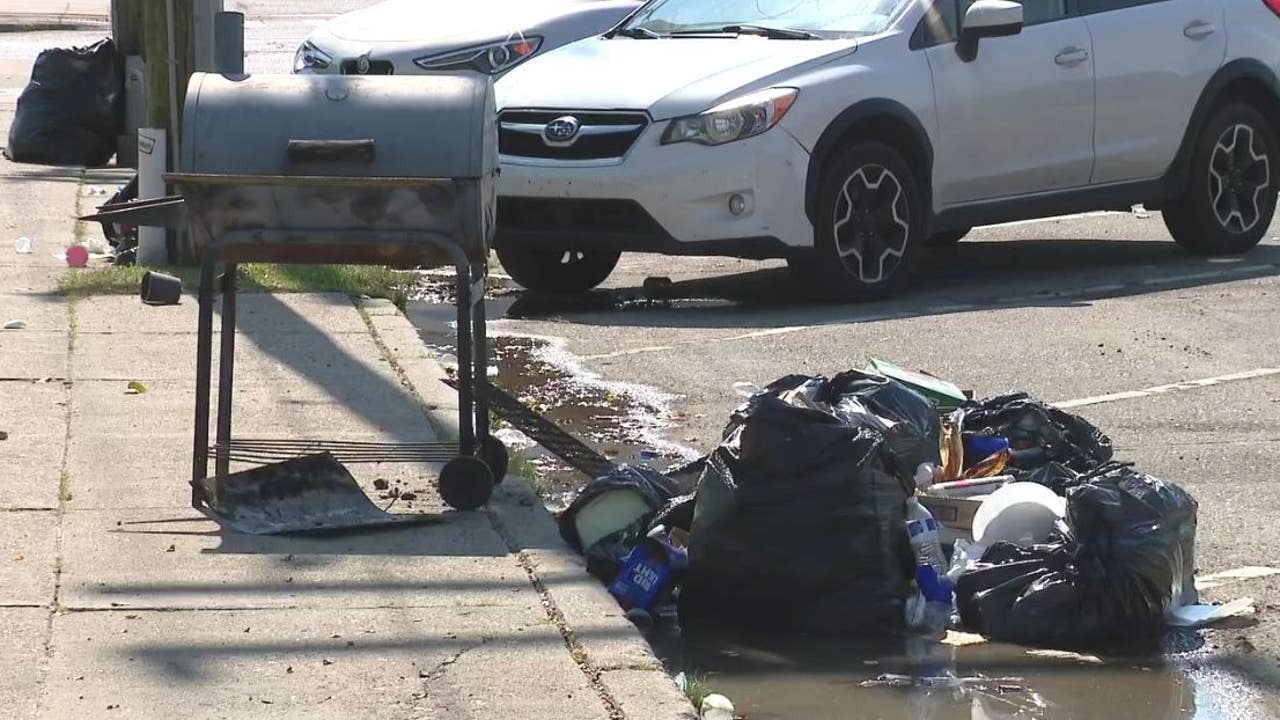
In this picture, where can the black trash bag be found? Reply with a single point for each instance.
(1028, 423)
(604, 557)
(677, 513)
(72, 112)
(908, 420)
(798, 526)
(1131, 557)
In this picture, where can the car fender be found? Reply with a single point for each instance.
(859, 112)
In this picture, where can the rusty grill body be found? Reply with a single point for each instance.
(395, 171)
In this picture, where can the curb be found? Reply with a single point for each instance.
(607, 647)
(41, 22)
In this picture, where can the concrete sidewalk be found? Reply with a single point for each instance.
(118, 599)
(51, 14)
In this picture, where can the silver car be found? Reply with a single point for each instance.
(419, 36)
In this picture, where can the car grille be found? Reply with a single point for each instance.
(602, 135)
(576, 215)
(376, 67)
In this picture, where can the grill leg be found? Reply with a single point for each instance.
(466, 362)
(204, 371)
(226, 368)
(482, 366)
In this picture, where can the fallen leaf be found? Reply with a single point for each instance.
(380, 484)
(135, 388)
(15, 325)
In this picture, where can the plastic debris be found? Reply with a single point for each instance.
(1193, 616)
(15, 325)
(1213, 580)
(946, 395)
(1019, 513)
(24, 245)
(135, 388)
(716, 707)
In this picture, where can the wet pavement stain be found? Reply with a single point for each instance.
(626, 422)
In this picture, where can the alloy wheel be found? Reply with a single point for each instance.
(871, 224)
(1239, 178)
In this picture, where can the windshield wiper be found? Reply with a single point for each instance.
(639, 33)
(768, 32)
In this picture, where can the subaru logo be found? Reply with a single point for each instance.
(362, 64)
(561, 131)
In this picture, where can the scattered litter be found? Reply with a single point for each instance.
(1140, 211)
(610, 516)
(306, 494)
(717, 707)
(171, 548)
(1213, 580)
(77, 256)
(946, 395)
(24, 245)
(380, 484)
(326, 661)
(648, 573)
(15, 325)
(4, 435)
(1066, 655)
(160, 289)
(135, 388)
(958, 638)
(1193, 616)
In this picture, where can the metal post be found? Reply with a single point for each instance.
(228, 43)
(226, 368)
(172, 29)
(204, 34)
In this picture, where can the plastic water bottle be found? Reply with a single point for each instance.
(925, 542)
(24, 245)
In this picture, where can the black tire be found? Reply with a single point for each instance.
(495, 455)
(946, 238)
(1235, 177)
(465, 483)
(869, 200)
(558, 271)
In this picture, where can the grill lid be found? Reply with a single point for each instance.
(433, 126)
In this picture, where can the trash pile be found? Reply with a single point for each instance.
(830, 504)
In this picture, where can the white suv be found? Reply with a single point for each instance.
(843, 135)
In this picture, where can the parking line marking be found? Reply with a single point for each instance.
(1172, 387)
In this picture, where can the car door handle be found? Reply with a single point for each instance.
(1072, 56)
(1199, 29)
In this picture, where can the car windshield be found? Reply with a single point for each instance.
(825, 18)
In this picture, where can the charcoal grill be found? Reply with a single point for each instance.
(396, 170)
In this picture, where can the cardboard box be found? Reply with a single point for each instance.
(954, 515)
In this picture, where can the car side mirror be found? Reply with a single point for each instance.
(987, 18)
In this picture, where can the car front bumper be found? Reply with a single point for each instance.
(672, 199)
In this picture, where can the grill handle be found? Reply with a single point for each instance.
(303, 151)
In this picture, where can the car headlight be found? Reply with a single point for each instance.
(736, 119)
(491, 59)
(310, 57)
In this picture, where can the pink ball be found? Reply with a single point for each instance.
(77, 256)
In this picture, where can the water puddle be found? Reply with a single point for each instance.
(827, 679)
